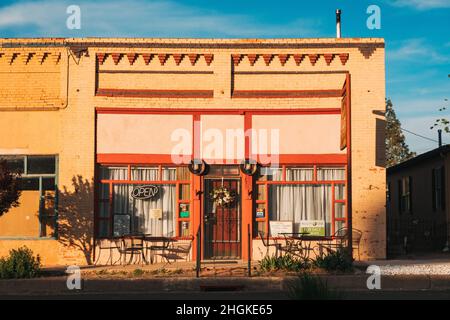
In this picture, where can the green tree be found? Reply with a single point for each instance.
(396, 148)
(9, 188)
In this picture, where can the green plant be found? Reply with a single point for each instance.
(308, 287)
(285, 263)
(339, 260)
(138, 272)
(20, 264)
(177, 271)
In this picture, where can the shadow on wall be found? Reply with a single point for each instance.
(76, 217)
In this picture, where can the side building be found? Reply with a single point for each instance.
(418, 203)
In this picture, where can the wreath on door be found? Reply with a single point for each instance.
(222, 197)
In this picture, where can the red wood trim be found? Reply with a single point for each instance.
(301, 159)
(147, 93)
(144, 181)
(196, 136)
(333, 210)
(116, 158)
(247, 130)
(287, 93)
(322, 182)
(298, 159)
(103, 110)
(349, 221)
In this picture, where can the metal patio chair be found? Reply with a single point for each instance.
(105, 244)
(178, 250)
(133, 246)
(267, 244)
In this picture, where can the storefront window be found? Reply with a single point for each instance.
(36, 215)
(302, 196)
(121, 212)
(299, 203)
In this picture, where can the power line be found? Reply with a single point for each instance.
(418, 135)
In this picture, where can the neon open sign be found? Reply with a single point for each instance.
(144, 192)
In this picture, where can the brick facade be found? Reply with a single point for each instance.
(51, 87)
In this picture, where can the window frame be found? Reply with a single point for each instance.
(438, 188)
(314, 181)
(42, 199)
(178, 202)
(405, 198)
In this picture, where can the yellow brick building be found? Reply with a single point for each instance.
(89, 121)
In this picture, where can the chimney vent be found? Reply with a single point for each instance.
(338, 23)
(440, 137)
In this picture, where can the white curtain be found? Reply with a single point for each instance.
(303, 202)
(139, 211)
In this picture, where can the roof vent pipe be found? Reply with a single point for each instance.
(440, 137)
(338, 23)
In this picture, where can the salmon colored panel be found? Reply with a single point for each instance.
(144, 134)
(296, 134)
(222, 137)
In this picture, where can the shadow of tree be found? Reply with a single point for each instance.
(76, 216)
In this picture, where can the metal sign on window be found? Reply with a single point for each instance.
(144, 192)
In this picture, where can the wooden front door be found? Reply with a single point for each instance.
(222, 224)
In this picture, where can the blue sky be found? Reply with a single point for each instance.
(417, 34)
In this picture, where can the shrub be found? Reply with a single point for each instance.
(339, 260)
(308, 287)
(138, 272)
(20, 264)
(285, 263)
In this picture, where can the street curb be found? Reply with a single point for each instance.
(57, 285)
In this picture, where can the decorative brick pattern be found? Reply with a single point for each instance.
(313, 58)
(178, 57)
(267, 58)
(147, 57)
(101, 58)
(236, 59)
(344, 58)
(131, 58)
(298, 58)
(193, 57)
(252, 58)
(163, 58)
(367, 50)
(116, 57)
(283, 58)
(208, 58)
(328, 58)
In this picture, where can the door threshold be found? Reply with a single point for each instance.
(221, 261)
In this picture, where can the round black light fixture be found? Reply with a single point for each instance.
(198, 167)
(249, 167)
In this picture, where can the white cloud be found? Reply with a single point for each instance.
(421, 4)
(414, 49)
(139, 18)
